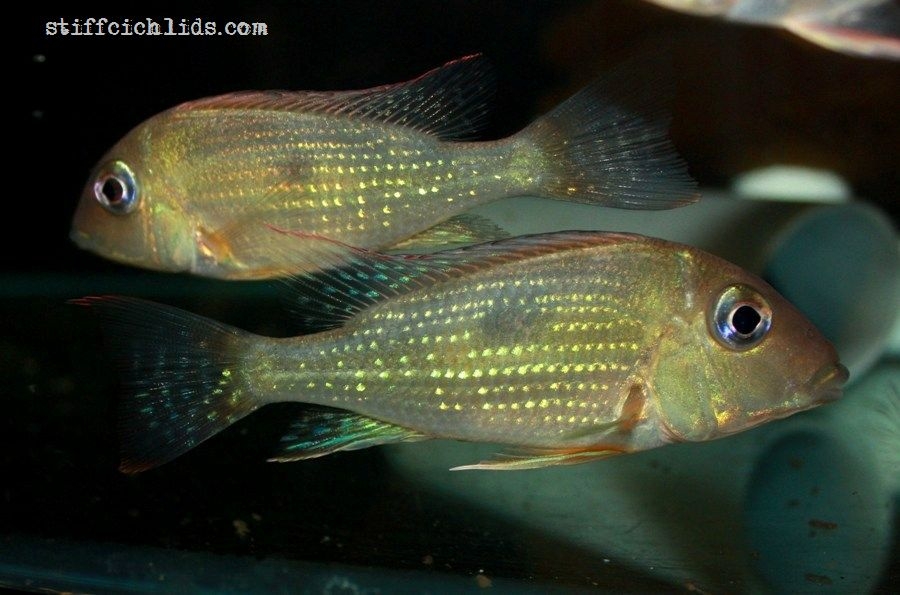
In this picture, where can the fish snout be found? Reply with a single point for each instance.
(826, 385)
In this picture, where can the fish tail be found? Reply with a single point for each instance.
(608, 144)
(181, 375)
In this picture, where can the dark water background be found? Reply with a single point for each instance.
(745, 97)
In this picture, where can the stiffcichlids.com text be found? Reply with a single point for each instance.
(165, 26)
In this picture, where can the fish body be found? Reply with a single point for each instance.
(192, 189)
(566, 347)
(869, 28)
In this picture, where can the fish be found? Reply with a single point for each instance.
(561, 347)
(862, 28)
(384, 168)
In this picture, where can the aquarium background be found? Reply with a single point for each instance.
(393, 520)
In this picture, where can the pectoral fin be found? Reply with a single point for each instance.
(321, 433)
(218, 248)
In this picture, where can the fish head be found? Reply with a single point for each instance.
(129, 210)
(737, 356)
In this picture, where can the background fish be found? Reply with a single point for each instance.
(189, 189)
(566, 346)
(868, 28)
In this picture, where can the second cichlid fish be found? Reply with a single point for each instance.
(566, 347)
(867, 28)
(191, 188)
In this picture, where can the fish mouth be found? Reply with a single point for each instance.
(827, 383)
(81, 239)
(85, 241)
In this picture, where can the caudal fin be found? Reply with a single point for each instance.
(181, 374)
(608, 143)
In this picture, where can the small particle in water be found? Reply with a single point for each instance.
(428, 560)
(820, 524)
(255, 517)
(482, 581)
(37, 114)
(819, 579)
(793, 503)
(795, 463)
(814, 491)
(693, 587)
(39, 58)
(241, 528)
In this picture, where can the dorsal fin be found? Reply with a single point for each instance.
(349, 280)
(450, 102)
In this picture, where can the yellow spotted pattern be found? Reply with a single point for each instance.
(533, 355)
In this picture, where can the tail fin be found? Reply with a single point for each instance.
(608, 143)
(181, 375)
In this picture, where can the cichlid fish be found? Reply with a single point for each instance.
(866, 28)
(189, 189)
(567, 347)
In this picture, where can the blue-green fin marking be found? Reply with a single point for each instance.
(180, 373)
(319, 433)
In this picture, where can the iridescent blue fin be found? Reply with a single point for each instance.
(450, 102)
(180, 373)
(320, 433)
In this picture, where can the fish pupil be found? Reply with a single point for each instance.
(745, 319)
(113, 190)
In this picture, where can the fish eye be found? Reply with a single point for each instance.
(115, 188)
(741, 318)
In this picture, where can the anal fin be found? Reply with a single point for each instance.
(320, 433)
(458, 230)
